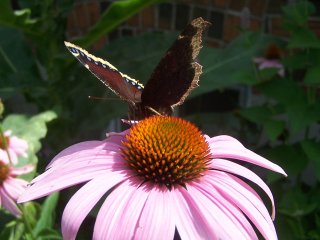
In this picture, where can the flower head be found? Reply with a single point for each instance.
(271, 59)
(161, 176)
(15, 146)
(11, 187)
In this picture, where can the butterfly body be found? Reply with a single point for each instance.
(171, 82)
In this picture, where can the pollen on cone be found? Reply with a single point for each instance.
(166, 150)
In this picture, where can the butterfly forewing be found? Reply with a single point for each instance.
(177, 73)
(126, 87)
(170, 83)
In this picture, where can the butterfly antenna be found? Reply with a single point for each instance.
(154, 111)
(102, 98)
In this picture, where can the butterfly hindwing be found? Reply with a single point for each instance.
(177, 73)
(126, 87)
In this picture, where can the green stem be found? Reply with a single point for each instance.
(27, 224)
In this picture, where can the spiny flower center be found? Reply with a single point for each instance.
(166, 150)
(4, 171)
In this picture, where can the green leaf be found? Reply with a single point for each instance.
(259, 114)
(17, 19)
(284, 91)
(274, 128)
(302, 115)
(225, 67)
(47, 215)
(30, 211)
(296, 203)
(268, 73)
(117, 13)
(299, 60)
(295, 101)
(304, 38)
(18, 70)
(313, 75)
(298, 13)
(49, 234)
(312, 150)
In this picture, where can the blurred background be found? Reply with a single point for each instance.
(260, 81)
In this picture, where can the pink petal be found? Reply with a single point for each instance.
(13, 156)
(14, 187)
(131, 214)
(234, 168)
(221, 225)
(9, 203)
(230, 210)
(62, 178)
(116, 207)
(84, 162)
(246, 201)
(72, 152)
(19, 146)
(84, 200)
(4, 157)
(229, 147)
(156, 218)
(189, 222)
(270, 64)
(117, 138)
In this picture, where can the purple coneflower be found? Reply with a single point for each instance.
(162, 176)
(14, 146)
(11, 187)
(271, 59)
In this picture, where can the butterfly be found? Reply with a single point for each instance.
(170, 83)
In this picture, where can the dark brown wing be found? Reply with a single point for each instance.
(177, 73)
(124, 86)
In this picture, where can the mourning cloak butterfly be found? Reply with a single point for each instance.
(170, 83)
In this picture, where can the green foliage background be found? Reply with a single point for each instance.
(38, 74)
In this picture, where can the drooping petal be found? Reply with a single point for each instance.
(61, 179)
(85, 164)
(156, 218)
(237, 169)
(8, 203)
(220, 224)
(81, 149)
(246, 201)
(116, 207)
(127, 215)
(270, 64)
(4, 156)
(84, 200)
(131, 214)
(14, 187)
(235, 215)
(19, 146)
(13, 156)
(229, 147)
(189, 221)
